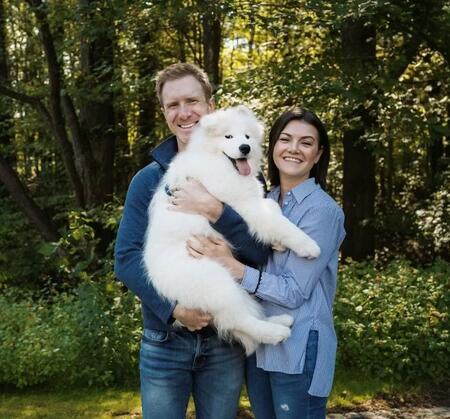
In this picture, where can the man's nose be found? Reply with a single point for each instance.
(185, 110)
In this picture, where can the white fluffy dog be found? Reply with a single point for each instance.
(223, 154)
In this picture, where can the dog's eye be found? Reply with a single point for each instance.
(247, 136)
(228, 137)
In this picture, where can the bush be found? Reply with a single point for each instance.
(89, 337)
(394, 322)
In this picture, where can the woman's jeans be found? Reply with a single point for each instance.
(275, 395)
(176, 364)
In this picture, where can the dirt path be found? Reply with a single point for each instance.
(394, 413)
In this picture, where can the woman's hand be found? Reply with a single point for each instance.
(217, 249)
(192, 197)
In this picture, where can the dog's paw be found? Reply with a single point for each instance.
(278, 246)
(279, 334)
(283, 319)
(307, 249)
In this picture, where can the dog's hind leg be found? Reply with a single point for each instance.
(247, 341)
(262, 331)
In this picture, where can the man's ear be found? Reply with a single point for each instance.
(211, 105)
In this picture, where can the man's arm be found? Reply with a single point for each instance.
(129, 267)
(246, 247)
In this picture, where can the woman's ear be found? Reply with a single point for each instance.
(319, 154)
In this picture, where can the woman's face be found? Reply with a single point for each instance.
(296, 151)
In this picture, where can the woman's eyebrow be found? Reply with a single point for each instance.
(301, 138)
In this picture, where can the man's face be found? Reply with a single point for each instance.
(183, 104)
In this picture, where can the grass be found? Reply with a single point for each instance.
(349, 390)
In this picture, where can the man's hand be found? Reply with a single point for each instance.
(192, 197)
(192, 319)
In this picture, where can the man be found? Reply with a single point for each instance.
(176, 362)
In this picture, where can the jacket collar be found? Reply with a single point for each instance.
(165, 152)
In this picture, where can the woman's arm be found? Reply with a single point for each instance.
(298, 276)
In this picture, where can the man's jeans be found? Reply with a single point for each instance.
(174, 365)
(275, 395)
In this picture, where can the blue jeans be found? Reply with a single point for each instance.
(276, 395)
(176, 364)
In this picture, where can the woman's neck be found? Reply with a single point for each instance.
(286, 184)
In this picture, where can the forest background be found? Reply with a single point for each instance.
(78, 117)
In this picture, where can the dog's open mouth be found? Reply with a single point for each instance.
(241, 165)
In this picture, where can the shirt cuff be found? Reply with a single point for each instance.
(251, 279)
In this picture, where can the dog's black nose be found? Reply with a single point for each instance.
(244, 149)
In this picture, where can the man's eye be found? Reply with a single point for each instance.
(228, 137)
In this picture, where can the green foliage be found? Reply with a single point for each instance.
(433, 221)
(85, 249)
(88, 337)
(18, 247)
(394, 321)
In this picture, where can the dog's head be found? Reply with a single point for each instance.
(234, 133)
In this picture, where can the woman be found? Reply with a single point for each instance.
(293, 379)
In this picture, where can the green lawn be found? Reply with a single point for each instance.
(124, 403)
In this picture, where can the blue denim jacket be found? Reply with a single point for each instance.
(303, 288)
(157, 311)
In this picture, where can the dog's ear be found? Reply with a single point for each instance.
(210, 123)
(242, 109)
(258, 125)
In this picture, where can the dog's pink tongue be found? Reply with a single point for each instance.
(243, 167)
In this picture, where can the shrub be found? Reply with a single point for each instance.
(89, 337)
(394, 321)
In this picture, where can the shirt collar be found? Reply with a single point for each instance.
(165, 152)
(300, 192)
(304, 189)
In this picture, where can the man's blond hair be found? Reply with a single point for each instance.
(179, 70)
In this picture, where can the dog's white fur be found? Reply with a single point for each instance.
(204, 283)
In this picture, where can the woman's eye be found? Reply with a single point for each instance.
(228, 137)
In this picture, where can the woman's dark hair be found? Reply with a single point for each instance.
(320, 169)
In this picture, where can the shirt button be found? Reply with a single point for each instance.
(285, 203)
(288, 193)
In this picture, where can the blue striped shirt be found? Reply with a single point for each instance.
(303, 288)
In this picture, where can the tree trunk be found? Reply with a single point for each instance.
(21, 196)
(358, 40)
(359, 196)
(212, 40)
(148, 64)
(57, 119)
(5, 112)
(97, 119)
